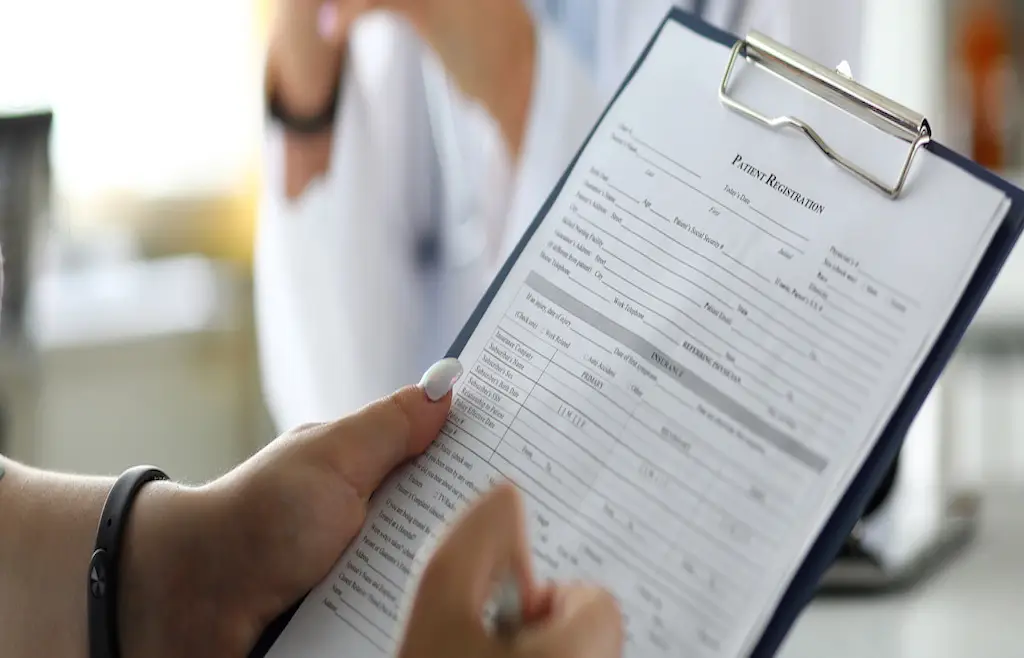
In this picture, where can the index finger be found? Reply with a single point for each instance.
(486, 545)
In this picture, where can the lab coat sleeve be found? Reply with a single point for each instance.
(335, 268)
(565, 106)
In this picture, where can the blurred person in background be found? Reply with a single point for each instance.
(410, 148)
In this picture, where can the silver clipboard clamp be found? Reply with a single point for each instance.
(840, 90)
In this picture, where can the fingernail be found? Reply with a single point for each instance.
(438, 381)
(327, 19)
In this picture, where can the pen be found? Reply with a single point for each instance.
(508, 614)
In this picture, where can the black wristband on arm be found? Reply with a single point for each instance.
(104, 567)
(306, 125)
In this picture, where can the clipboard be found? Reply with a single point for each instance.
(884, 114)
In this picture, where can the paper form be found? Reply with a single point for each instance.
(684, 368)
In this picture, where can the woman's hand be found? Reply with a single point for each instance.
(487, 46)
(306, 48)
(485, 546)
(207, 569)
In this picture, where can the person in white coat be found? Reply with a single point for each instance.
(409, 149)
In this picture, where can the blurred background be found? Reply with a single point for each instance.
(127, 318)
(130, 139)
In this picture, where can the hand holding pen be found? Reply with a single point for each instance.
(487, 544)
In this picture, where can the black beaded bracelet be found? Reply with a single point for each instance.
(307, 125)
(104, 567)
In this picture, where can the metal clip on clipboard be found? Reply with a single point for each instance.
(839, 90)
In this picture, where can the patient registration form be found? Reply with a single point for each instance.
(684, 367)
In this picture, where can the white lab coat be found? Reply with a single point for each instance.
(346, 311)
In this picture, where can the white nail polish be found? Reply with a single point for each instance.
(440, 378)
(327, 20)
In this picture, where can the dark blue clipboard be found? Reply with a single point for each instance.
(852, 505)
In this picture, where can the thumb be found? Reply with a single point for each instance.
(367, 445)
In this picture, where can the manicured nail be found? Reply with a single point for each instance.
(327, 20)
(438, 381)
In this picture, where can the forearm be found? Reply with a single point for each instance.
(48, 525)
(306, 156)
(47, 529)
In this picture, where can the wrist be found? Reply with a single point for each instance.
(167, 602)
(306, 109)
(302, 87)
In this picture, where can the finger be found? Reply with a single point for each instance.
(486, 545)
(329, 21)
(335, 17)
(541, 605)
(412, 10)
(366, 446)
(584, 622)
